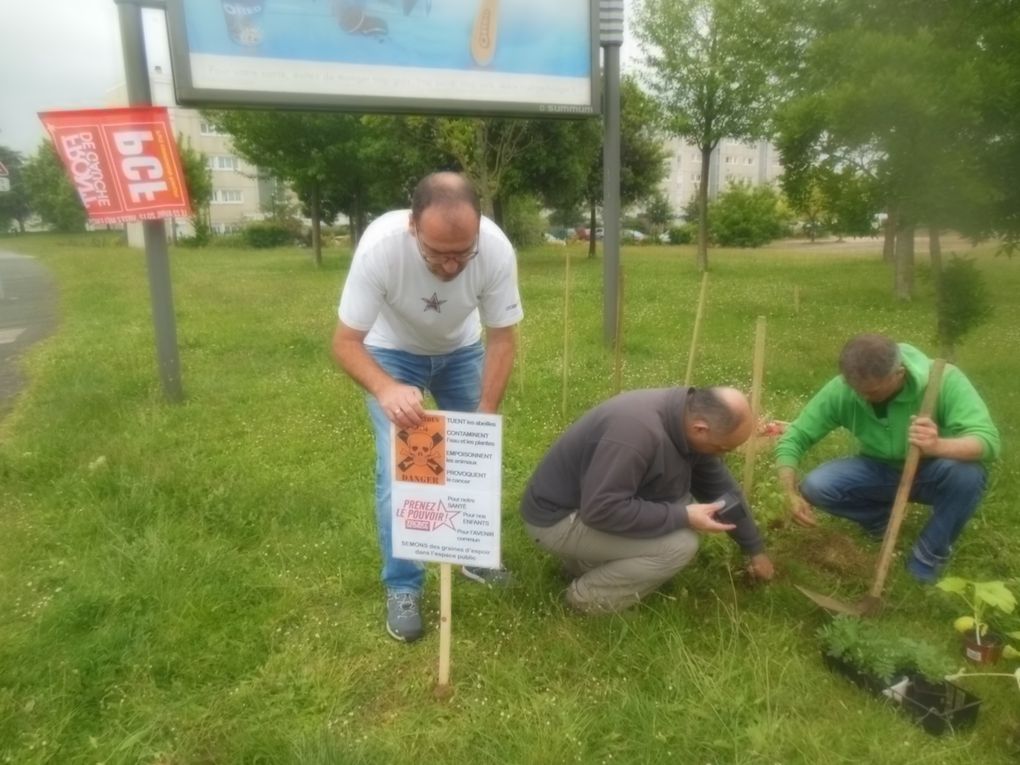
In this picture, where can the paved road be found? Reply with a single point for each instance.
(28, 313)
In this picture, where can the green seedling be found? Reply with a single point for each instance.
(982, 598)
(874, 651)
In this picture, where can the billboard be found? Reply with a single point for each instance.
(123, 162)
(523, 57)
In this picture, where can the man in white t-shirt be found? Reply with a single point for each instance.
(421, 286)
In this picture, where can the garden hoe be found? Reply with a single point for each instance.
(872, 603)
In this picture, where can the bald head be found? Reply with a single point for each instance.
(445, 193)
(717, 420)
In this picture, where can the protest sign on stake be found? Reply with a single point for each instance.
(447, 483)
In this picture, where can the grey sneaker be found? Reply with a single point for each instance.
(403, 616)
(494, 577)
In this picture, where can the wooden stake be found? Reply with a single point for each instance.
(697, 329)
(619, 336)
(443, 689)
(751, 449)
(566, 329)
(522, 355)
(796, 299)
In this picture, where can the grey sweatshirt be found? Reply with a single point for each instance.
(626, 468)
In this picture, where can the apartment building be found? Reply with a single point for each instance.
(239, 195)
(732, 162)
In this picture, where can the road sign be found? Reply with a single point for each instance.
(5, 183)
(3, 171)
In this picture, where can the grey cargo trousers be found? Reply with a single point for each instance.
(612, 572)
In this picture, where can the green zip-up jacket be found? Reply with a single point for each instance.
(959, 412)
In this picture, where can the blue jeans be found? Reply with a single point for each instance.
(863, 490)
(455, 382)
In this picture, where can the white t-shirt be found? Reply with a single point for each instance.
(391, 294)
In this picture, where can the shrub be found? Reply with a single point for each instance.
(964, 303)
(265, 234)
(684, 234)
(743, 216)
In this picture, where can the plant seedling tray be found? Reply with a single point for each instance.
(936, 707)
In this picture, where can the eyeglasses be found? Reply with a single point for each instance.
(440, 258)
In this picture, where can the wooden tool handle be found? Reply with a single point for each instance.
(899, 508)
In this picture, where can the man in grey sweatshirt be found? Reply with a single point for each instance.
(621, 497)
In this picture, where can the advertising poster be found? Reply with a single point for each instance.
(447, 482)
(450, 55)
(123, 162)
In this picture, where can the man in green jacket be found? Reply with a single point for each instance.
(876, 397)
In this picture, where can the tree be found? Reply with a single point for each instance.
(198, 179)
(50, 192)
(890, 96)
(484, 149)
(335, 162)
(564, 164)
(14, 203)
(658, 214)
(834, 197)
(997, 58)
(712, 67)
(562, 167)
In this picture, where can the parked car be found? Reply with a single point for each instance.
(632, 235)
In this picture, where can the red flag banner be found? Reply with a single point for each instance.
(123, 162)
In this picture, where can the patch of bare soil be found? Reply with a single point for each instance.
(835, 552)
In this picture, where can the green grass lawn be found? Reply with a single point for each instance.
(199, 583)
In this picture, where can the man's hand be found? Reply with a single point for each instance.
(701, 517)
(800, 510)
(760, 567)
(924, 434)
(402, 404)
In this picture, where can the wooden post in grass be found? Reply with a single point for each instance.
(443, 688)
(796, 299)
(618, 364)
(566, 328)
(697, 329)
(521, 356)
(751, 449)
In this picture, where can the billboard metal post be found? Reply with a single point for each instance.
(136, 73)
(611, 19)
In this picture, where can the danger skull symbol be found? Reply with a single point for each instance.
(420, 446)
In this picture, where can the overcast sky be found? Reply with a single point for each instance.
(60, 54)
(64, 54)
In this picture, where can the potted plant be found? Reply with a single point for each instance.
(981, 644)
(909, 672)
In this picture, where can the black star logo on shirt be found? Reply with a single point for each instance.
(433, 303)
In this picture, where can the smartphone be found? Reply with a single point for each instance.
(732, 511)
